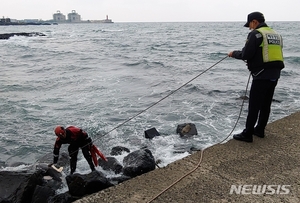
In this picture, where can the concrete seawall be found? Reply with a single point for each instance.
(270, 166)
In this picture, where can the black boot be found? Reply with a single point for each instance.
(73, 164)
(259, 133)
(243, 137)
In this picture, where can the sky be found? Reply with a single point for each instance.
(153, 10)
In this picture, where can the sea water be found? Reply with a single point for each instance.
(104, 77)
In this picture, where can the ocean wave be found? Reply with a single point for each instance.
(287, 71)
(97, 77)
(292, 60)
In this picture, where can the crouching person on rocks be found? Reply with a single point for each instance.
(76, 138)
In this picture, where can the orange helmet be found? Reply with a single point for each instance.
(59, 131)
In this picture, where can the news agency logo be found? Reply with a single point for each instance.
(260, 189)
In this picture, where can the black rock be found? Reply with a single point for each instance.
(80, 185)
(27, 34)
(138, 162)
(118, 150)
(111, 164)
(186, 129)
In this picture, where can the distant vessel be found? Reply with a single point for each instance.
(106, 20)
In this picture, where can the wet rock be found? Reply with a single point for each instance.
(80, 185)
(186, 129)
(19, 186)
(33, 183)
(27, 34)
(118, 150)
(63, 198)
(111, 164)
(138, 162)
(151, 133)
(42, 194)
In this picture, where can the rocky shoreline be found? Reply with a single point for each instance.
(26, 34)
(271, 163)
(266, 170)
(40, 181)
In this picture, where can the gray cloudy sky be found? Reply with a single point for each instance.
(153, 10)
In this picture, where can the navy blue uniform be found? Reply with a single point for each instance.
(265, 77)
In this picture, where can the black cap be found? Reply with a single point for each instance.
(255, 16)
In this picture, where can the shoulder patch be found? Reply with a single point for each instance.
(258, 35)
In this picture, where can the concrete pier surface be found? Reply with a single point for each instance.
(267, 170)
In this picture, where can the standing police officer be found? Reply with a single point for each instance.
(263, 53)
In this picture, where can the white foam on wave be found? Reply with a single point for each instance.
(16, 168)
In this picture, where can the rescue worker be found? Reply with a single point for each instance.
(264, 57)
(77, 138)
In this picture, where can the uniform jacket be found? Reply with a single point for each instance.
(252, 53)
